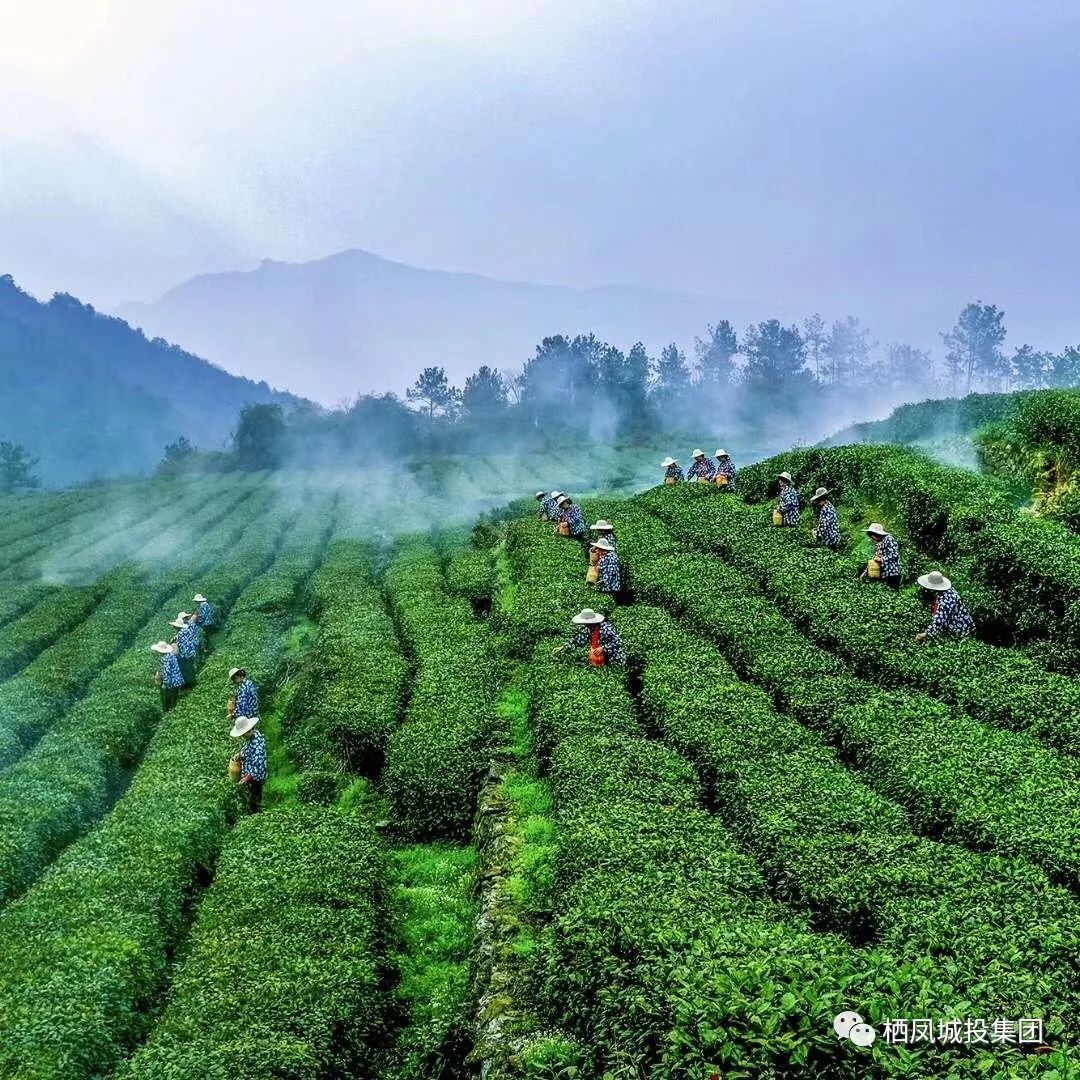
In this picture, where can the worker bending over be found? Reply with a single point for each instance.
(673, 473)
(169, 678)
(788, 507)
(549, 508)
(701, 468)
(245, 699)
(885, 564)
(608, 575)
(598, 636)
(571, 519)
(252, 759)
(724, 474)
(827, 529)
(950, 615)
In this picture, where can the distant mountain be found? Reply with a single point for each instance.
(357, 322)
(90, 397)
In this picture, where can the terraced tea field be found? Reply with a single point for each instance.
(478, 855)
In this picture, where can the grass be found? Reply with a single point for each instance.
(433, 913)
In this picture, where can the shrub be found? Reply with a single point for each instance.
(283, 974)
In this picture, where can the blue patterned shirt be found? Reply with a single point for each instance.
(728, 470)
(789, 505)
(247, 699)
(188, 641)
(700, 467)
(828, 526)
(253, 757)
(950, 617)
(614, 650)
(887, 553)
(573, 517)
(673, 472)
(206, 615)
(548, 510)
(172, 678)
(610, 578)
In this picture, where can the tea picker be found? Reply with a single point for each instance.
(950, 617)
(204, 613)
(571, 519)
(598, 636)
(248, 766)
(245, 699)
(169, 678)
(701, 469)
(605, 572)
(604, 530)
(188, 641)
(549, 507)
(786, 512)
(827, 530)
(884, 565)
(673, 473)
(724, 475)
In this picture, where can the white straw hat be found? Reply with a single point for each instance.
(234, 671)
(556, 494)
(588, 617)
(604, 544)
(785, 476)
(819, 494)
(935, 581)
(602, 526)
(179, 623)
(563, 498)
(541, 494)
(198, 598)
(243, 725)
(698, 453)
(722, 453)
(876, 528)
(162, 647)
(668, 461)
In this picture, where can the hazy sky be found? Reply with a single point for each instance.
(884, 158)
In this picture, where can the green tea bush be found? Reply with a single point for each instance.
(53, 616)
(548, 575)
(831, 846)
(435, 760)
(351, 692)
(873, 628)
(650, 892)
(84, 951)
(978, 785)
(1032, 566)
(283, 973)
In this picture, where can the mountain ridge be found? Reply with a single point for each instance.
(355, 321)
(91, 396)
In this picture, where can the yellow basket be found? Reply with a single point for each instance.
(777, 518)
(669, 480)
(721, 479)
(592, 575)
(234, 768)
(703, 480)
(873, 569)
(564, 528)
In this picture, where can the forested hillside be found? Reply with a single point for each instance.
(89, 396)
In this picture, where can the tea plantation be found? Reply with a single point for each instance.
(478, 855)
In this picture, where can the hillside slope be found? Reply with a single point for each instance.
(355, 320)
(91, 397)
